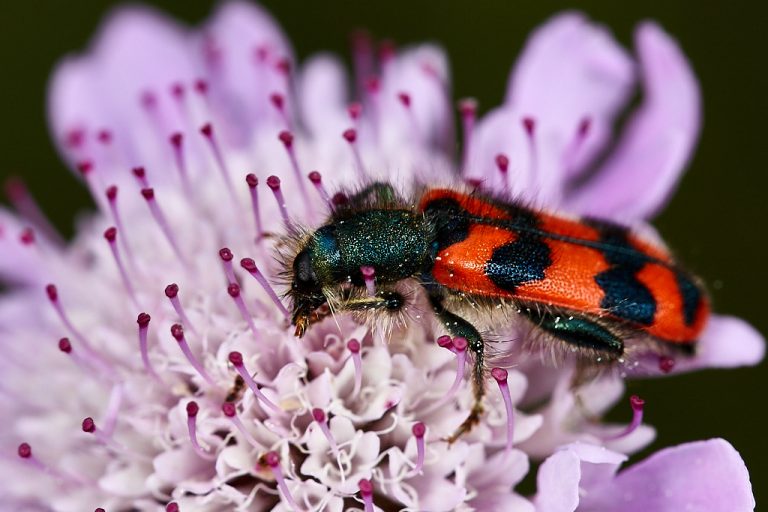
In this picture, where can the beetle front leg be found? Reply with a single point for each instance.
(457, 326)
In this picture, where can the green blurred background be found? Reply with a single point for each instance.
(715, 221)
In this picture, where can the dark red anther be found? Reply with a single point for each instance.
(143, 319)
(284, 66)
(65, 345)
(354, 346)
(366, 487)
(445, 341)
(207, 129)
(89, 426)
(404, 98)
(286, 138)
(148, 193)
(110, 234)
(387, 50)
(177, 90)
(74, 138)
(177, 331)
(192, 409)
(419, 429)
(530, 125)
(99, 509)
(273, 182)
(474, 182)
(172, 507)
(272, 459)
(468, 107)
(27, 236)
(318, 415)
(502, 162)
(225, 254)
(277, 100)
(24, 451)
(500, 374)
(350, 134)
(228, 408)
(52, 292)
(85, 167)
(201, 86)
(236, 358)
(372, 84)
(248, 264)
(104, 136)
(112, 192)
(315, 177)
(354, 110)
(233, 290)
(172, 290)
(460, 343)
(339, 199)
(148, 99)
(139, 172)
(176, 139)
(252, 180)
(666, 364)
(584, 127)
(636, 403)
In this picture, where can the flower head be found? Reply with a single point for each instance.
(150, 362)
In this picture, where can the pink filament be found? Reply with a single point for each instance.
(112, 201)
(529, 125)
(354, 347)
(460, 346)
(317, 180)
(273, 461)
(236, 358)
(369, 276)
(230, 411)
(162, 222)
(226, 259)
(178, 333)
(253, 182)
(234, 291)
(350, 135)
(23, 201)
(192, 410)
(637, 404)
(177, 142)
(501, 375)
(172, 292)
(208, 133)
(249, 265)
(319, 416)
(111, 236)
(366, 491)
(273, 182)
(287, 140)
(419, 430)
(143, 321)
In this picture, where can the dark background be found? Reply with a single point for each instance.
(716, 221)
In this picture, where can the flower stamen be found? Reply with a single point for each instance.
(253, 182)
(250, 266)
(350, 135)
(286, 138)
(317, 181)
(218, 156)
(501, 375)
(177, 331)
(354, 348)
(141, 176)
(637, 405)
(273, 461)
(236, 358)
(110, 235)
(419, 431)
(233, 289)
(366, 491)
(162, 222)
(226, 260)
(172, 292)
(111, 194)
(320, 418)
(193, 409)
(177, 144)
(143, 321)
(273, 182)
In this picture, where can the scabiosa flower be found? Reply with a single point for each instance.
(148, 364)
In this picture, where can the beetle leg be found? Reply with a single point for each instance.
(383, 300)
(457, 326)
(580, 332)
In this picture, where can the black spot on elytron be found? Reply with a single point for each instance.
(451, 221)
(523, 261)
(578, 331)
(625, 296)
(691, 296)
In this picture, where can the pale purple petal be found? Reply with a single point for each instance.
(638, 178)
(137, 54)
(702, 476)
(726, 342)
(243, 48)
(571, 73)
(323, 97)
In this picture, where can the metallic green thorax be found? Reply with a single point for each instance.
(394, 242)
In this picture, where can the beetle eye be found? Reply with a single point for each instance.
(304, 275)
